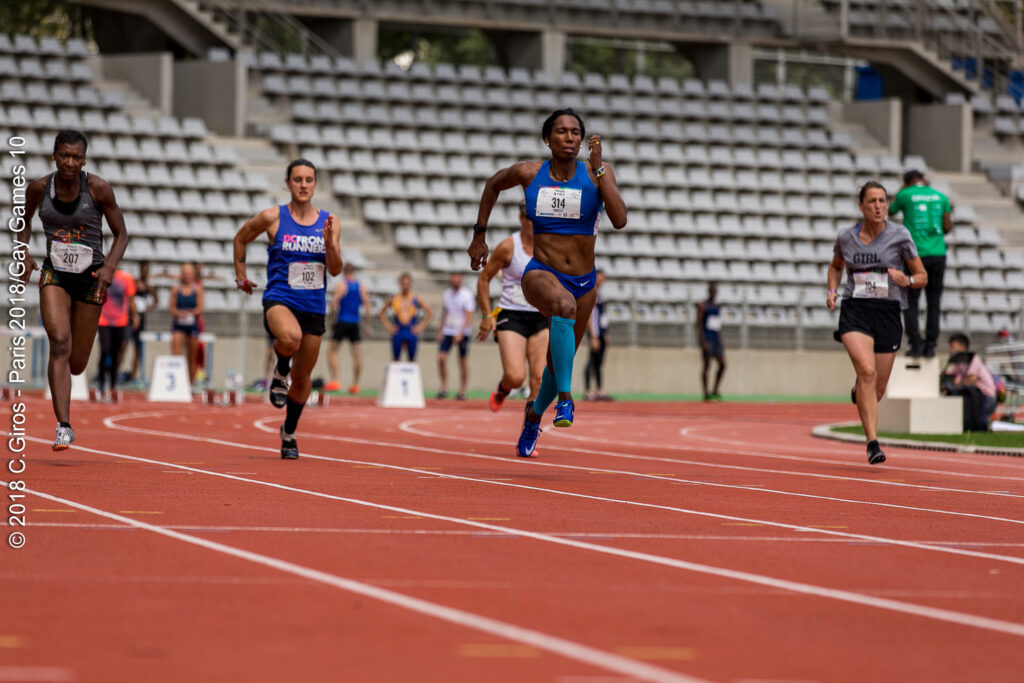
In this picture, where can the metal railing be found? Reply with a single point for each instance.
(264, 28)
(1007, 361)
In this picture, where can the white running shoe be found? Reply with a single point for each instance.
(65, 437)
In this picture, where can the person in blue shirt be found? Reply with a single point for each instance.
(304, 247)
(709, 332)
(349, 299)
(564, 198)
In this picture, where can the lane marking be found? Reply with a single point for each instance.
(51, 510)
(140, 512)
(111, 422)
(658, 652)
(498, 650)
(36, 674)
(459, 532)
(411, 427)
(524, 636)
(840, 595)
(12, 642)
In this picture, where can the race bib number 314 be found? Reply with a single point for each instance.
(306, 275)
(559, 202)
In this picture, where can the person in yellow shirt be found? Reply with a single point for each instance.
(405, 308)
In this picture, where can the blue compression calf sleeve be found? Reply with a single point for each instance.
(563, 348)
(546, 394)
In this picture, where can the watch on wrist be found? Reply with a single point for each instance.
(477, 228)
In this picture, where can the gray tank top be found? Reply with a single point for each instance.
(74, 241)
(867, 265)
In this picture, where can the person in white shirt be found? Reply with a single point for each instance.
(459, 305)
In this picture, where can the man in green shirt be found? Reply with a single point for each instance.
(926, 214)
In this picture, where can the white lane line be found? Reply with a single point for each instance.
(690, 432)
(111, 422)
(216, 528)
(542, 641)
(411, 426)
(934, 613)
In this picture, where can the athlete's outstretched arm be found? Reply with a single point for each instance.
(332, 244)
(516, 174)
(33, 197)
(103, 194)
(613, 204)
(253, 228)
(499, 258)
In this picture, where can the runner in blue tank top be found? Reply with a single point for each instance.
(349, 298)
(304, 246)
(564, 197)
(709, 332)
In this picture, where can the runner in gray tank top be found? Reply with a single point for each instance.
(75, 275)
(874, 253)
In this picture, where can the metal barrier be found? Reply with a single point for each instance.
(1007, 361)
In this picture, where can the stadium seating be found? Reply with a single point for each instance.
(740, 185)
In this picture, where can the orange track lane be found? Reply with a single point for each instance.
(666, 542)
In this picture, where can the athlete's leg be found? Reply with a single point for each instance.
(442, 373)
(552, 384)
(721, 372)
(411, 343)
(56, 309)
(463, 366)
(106, 342)
(303, 362)
(287, 334)
(861, 349)
(598, 357)
(332, 360)
(512, 348)
(705, 367)
(357, 362)
(536, 354)
(85, 318)
(192, 344)
(883, 368)
(178, 344)
(396, 346)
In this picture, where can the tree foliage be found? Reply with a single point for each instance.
(42, 19)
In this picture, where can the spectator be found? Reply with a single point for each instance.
(405, 308)
(967, 369)
(598, 331)
(926, 214)
(457, 318)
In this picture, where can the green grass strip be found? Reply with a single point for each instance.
(994, 439)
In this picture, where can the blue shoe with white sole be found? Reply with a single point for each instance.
(564, 413)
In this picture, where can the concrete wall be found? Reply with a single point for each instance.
(941, 133)
(729, 62)
(150, 74)
(626, 369)
(882, 118)
(214, 91)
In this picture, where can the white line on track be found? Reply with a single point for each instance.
(111, 422)
(217, 528)
(542, 641)
(934, 613)
(412, 427)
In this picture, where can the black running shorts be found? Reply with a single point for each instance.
(309, 323)
(524, 323)
(879, 319)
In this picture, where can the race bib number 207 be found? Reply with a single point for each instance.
(69, 257)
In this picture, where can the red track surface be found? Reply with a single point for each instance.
(649, 542)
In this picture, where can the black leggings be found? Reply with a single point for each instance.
(111, 340)
(594, 363)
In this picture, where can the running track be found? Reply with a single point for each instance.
(649, 542)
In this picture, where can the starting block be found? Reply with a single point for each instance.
(170, 381)
(227, 398)
(913, 403)
(402, 387)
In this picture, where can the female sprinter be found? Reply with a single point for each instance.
(75, 275)
(186, 303)
(564, 197)
(874, 253)
(304, 246)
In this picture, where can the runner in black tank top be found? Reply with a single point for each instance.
(75, 275)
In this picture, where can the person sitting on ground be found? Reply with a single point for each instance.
(966, 368)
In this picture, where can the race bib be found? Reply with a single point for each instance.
(70, 257)
(306, 275)
(187, 319)
(870, 285)
(713, 323)
(559, 202)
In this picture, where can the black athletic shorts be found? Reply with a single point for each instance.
(343, 331)
(524, 323)
(309, 323)
(879, 319)
(715, 349)
(446, 344)
(79, 286)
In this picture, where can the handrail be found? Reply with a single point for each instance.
(234, 12)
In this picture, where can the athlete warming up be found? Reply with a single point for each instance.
(564, 197)
(521, 331)
(874, 253)
(304, 247)
(75, 275)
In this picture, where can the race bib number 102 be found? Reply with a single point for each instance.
(306, 275)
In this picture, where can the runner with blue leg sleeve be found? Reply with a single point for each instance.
(564, 198)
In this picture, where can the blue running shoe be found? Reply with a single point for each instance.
(528, 438)
(563, 413)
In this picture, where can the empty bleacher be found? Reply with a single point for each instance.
(742, 185)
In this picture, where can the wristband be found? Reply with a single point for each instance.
(833, 291)
(911, 280)
(477, 228)
(600, 172)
